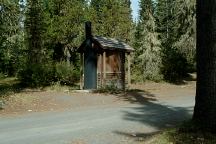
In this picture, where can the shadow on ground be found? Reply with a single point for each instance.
(137, 96)
(184, 80)
(9, 86)
(152, 113)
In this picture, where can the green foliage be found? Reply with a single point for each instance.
(35, 30)
(36, 75)
(66, 74)
(111, 18)
(165, 20)
(186, 42)
(53, 30)
(65, 22)
(65, 31)
(110, 89)
(176, 28)
(185, 134)
(11, 39)
(2, 75)
(45, 74)
(174, 65)
(39, 33)
(148, 48)
(8, 86)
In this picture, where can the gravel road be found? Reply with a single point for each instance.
(110, 124)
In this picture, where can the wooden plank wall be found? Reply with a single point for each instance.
(111, 68)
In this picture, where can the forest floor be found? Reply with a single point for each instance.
(56, 98)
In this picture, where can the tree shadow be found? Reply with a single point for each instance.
(8, 86)
(152, 113)
(137, 96)
(157, 115)
(5, 88)
(183, 80)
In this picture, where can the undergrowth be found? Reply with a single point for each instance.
(188, 133)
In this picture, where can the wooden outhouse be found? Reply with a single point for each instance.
(103, 62)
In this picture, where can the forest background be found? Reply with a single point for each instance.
(39, 38)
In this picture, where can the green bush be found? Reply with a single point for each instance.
(174, 65)
(2, 75)
(66, 74)
(111, 88)
(36, 75)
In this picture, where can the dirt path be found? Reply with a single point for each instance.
(50, 117)
(86, 118)
(29, 101)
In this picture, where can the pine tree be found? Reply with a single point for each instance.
(164, 18)
(53, 31)
(112, 18)
(186, 30)
(125, 21)
(98, 16)
(64, 34)
(174, 64)
(36, 70)
(35, 28)
(66, 20)
(11, 37)
(148, 59)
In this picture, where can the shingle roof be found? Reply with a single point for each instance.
(106, 43)
(110, 43)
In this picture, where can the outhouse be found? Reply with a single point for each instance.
(103, 62)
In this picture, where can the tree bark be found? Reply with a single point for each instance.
(205, 107)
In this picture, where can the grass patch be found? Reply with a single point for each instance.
(9, 86)
(186, 134)
(57, 86)
(109, 90)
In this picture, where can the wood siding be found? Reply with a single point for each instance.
(114, 62)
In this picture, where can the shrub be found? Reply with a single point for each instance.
(174, 65)
(36, 75)
(2, 75)
(66, 74)
(111, 88)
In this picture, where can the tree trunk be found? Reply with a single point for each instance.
(205, 107)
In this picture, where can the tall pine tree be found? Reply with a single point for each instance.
(174, 64)
(11, 36)
(65, 27)
(186, 30)
(35, 28)
(112, 18)
(147, 56)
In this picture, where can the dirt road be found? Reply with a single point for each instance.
(99, 119)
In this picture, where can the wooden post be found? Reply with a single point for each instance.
(104, 68)
(101, 70)
(129, 70)
(123, 70)
(81, 71)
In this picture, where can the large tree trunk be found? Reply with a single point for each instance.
(205, 107)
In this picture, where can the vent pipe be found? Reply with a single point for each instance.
(88, 29)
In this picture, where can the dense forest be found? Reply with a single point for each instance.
(39, 38)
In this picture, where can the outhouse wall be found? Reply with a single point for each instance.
(110, 71)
